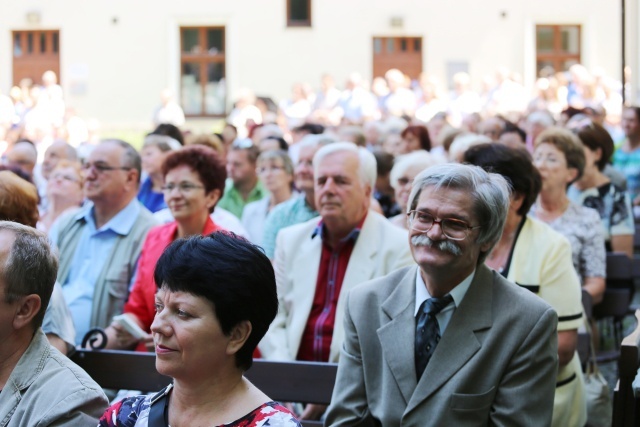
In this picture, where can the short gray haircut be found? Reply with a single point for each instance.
(163, 142)
(420, 158)
(131, 158)
(489, 191)
(367, 166)
(311, 140)
(30, 268)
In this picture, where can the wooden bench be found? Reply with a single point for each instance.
(306, 382)
(626, 407)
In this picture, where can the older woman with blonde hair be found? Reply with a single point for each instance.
(405, 169)
(64, 192)
(559, 157)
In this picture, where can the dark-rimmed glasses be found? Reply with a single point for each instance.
(454, 229)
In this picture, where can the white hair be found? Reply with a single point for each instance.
(420, 158)
(367, 165)
(463, 142)
(311, 140)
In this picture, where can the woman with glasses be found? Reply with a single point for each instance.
(534, 256)
(559, 157)
(595, 190)
(405, 169)
(193, 183)
(64, 193)
(275, 170)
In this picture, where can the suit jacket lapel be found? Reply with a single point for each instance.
(398, 335)
(303, 277)
(459, 341)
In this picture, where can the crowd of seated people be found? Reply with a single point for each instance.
(323, 184)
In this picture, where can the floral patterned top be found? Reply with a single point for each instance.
(134, 412)
(582, 227)
(612, 203)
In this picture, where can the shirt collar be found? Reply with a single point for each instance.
(353, 234)
(121, 223)
(457, 293)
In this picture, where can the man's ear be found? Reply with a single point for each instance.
(239, 335)
(27, 308)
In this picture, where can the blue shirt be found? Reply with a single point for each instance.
(149, 198)
(94, 249)
(293, 211)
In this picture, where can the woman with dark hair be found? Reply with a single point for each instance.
(534, 256)
(595, 189)
(559, 157)
(193, 183)
(415, 138)
(211, 312)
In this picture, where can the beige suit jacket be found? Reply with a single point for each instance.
(381, 248)
(494, 365)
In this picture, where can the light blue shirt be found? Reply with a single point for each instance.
(93, 251)
(457, 293)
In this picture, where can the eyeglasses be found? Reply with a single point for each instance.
(453, 229)
(183, 187)
(101, 167)
(266, 169)
(402, 181)
(64, 177)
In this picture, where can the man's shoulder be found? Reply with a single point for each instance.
(300, 230)
(381, 287)
(508, 296)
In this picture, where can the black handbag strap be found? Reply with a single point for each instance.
(158, 414)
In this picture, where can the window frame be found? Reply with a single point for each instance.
(297, 22)
(557, 56)
(203, 59)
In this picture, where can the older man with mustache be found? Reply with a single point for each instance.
(448, 342)
(318, 261)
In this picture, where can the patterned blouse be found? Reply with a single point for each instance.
(582, 227)
(612, 203)
(134, 412)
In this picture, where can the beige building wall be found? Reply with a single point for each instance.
(116, 56)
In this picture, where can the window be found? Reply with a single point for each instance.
(298, 13)
(35, 52)
(404, 53)
(202, 71)
(557, 47)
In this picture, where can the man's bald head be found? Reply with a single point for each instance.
(23, 155)
(59, 150)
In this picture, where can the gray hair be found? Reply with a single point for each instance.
(419, 158)
(311, 140)
(131, 158)
(278, 155)
(367, 166)
(30, 268)
(489, 191)
(163, 142)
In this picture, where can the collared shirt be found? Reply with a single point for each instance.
(628, 162)
(92, 252)
(457, 293)
(316, 338)
(233, 201)
(291, 212)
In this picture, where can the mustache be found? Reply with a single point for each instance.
(443, 245)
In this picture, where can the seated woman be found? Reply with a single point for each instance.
(595, 190)
(275, 170)
(559, 157)
(211, 312)
(404, 170)
(414, 138)
(154, 151)
(533, 255)
(194, 182)
(64, 192)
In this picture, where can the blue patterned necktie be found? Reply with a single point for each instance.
(428, 331)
